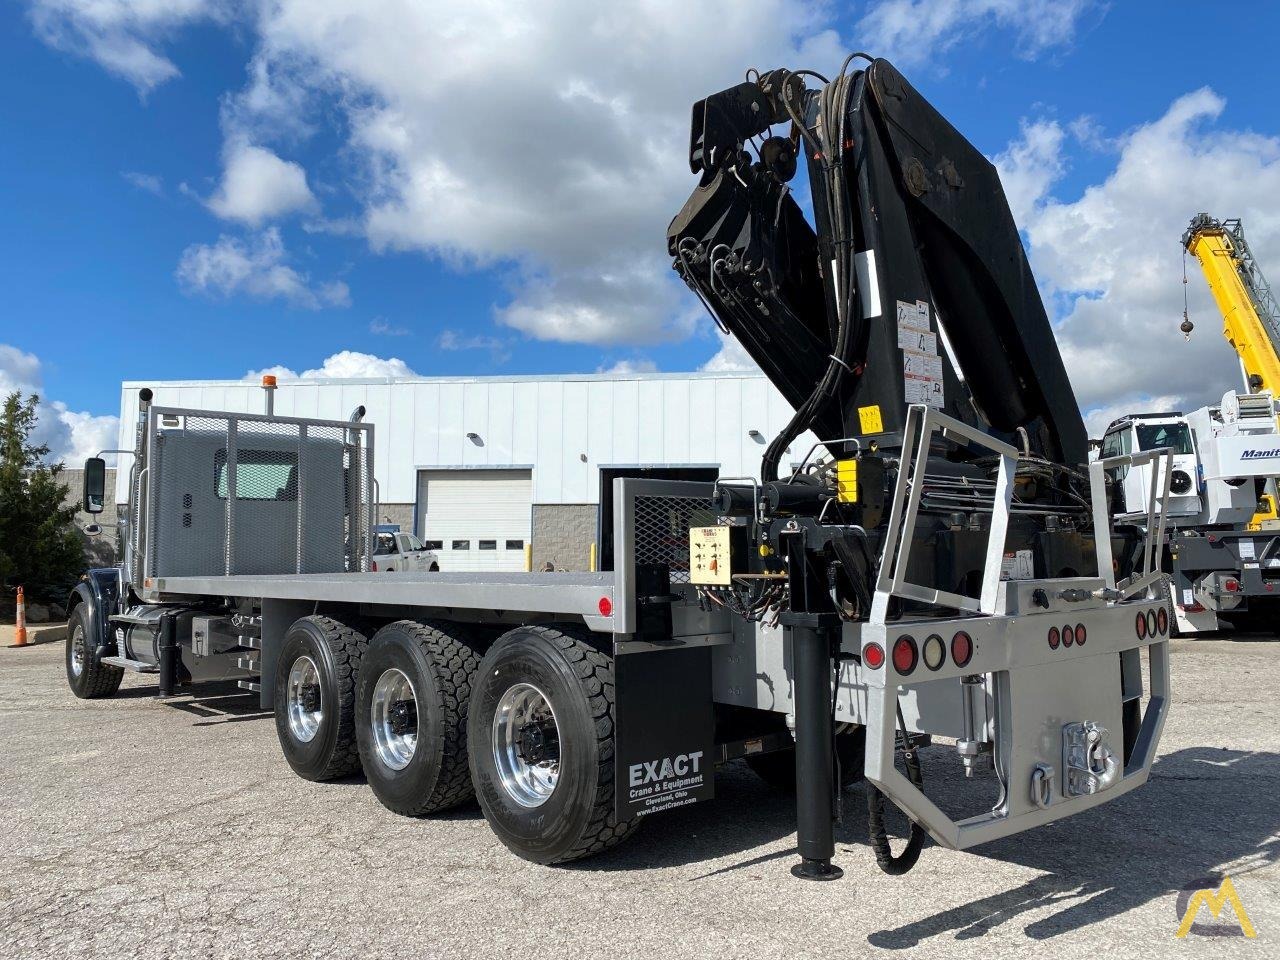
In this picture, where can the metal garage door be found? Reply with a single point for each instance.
(476, 519)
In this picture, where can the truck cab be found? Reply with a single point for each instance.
(1139, 432)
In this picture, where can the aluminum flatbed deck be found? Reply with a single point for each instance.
(579, 594)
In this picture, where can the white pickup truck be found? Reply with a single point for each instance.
(402, 551)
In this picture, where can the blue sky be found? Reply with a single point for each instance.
(203, 188)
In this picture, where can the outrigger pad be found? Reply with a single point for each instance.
(664, 731)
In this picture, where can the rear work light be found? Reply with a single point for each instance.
(961, 649)
(1151, 623)
(1081, 636)
(905, 655)
(934, 652)
(1068, 635)
(1055, 638)
(1140, 626)
(1162, 620)
(873, 656)
(1231, 586)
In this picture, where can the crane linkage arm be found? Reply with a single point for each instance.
(1250, 314)
(911, 225)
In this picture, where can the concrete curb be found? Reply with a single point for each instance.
(36, 633)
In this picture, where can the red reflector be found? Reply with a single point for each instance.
(1141, 626)
(1055, 638)
(1231, 586)
(904, 655)
(1068, 635)
(605, 606)
(873, 656)
(1081, 636)
(961, 649)
(1162, 620)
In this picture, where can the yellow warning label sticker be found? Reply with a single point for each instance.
(869, 419)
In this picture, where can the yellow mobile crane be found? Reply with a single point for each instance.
(1250, 312)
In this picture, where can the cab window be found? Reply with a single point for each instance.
(385, 544)
(1155, 436)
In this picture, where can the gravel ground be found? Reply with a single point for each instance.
(135, 828)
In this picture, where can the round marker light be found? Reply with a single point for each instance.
(873, 656)
(1140, 625)
(1068, 635)
(1162, 620)
(934, 652)
(905, 655)
(1151, 623)
(1081, 635)
(605, 606)
(961, 649)
(1055, 638)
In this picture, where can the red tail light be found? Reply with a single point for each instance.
(605, 606)
(961, 649)
(375, 566)
(1081, 636)
(1231, 586)
(1140, 625)
(905, 655)
(873, 656)
(1055, 638)
(1068, 635)
(1162, 620)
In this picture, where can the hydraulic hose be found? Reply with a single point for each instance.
(895, 865)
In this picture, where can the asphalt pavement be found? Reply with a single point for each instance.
(131, 827)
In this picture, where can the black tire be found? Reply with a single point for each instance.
(779, 769)
(577, 819)
(335, 649)
(440, 662)
(95, 679)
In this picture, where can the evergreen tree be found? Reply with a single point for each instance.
(40, 548)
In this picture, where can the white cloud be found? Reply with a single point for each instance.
(122, 35)
(147, 182)
(72, 436)
(347, 364)
(914, 32)
(731, 357)
(258, 269)
(258, 186)
(1111, 260)
(382, 328)
(499, 347)
(627, 367)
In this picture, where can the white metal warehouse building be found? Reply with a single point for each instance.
(480, 467)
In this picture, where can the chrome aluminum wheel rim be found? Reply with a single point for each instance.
(524, 714)
(303, 700)
(393, 714)
(78, 651)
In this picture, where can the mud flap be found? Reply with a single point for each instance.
(664, 730)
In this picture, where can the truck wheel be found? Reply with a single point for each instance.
(779, 769)
(315, 697)
(411, 716)
(541, 736)
(88, 677)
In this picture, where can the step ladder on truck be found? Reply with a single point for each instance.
(822, 623)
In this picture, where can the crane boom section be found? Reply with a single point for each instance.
(1243, 298)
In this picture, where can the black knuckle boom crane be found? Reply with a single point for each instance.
(946, 568)
(909, 300)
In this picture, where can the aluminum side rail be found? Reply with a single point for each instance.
(576, 594)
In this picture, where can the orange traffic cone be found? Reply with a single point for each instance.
(20, 630)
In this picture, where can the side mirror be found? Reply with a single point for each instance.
(95, 485)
